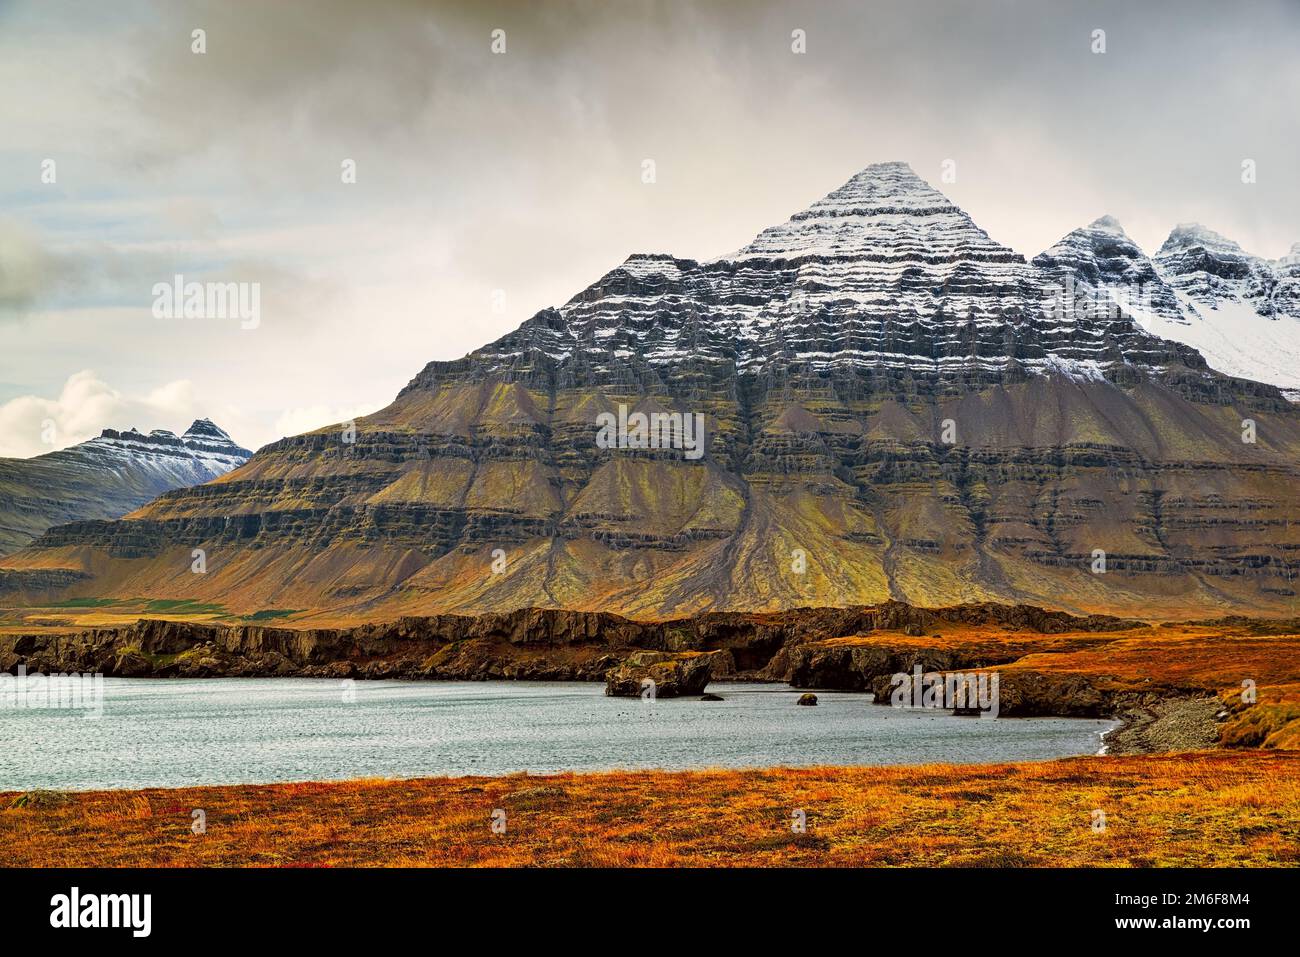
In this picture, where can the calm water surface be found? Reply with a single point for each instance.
(169, 733)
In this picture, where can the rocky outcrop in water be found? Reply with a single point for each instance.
(659, 675)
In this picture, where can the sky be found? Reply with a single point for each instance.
(490, 184)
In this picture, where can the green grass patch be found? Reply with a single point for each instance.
(83, 603)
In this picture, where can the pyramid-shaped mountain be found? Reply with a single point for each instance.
(890, 404)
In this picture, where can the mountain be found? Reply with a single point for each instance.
(1241, 312)
(894, 406)
(108, 476)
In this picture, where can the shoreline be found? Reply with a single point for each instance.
(1169, 725)
(1169, 686)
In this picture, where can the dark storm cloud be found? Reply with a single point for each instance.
(1157, 126)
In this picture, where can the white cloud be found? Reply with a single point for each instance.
(86, 405)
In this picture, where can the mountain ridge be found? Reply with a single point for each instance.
(1201, 289)
(896, 406)
(108, 476)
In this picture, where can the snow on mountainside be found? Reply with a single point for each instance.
(1209, 269)
(202, 453)
(108, 476)
(885, 211)
(1287, 293)
(1241, 312)
(884, 281)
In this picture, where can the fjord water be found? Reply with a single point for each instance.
(172, 733)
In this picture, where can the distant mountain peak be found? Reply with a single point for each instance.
(1190, 235)
(1108, 224)
(202, 434)
(108, 476)
(206, 429)
(1103, 236)
(1200, 289)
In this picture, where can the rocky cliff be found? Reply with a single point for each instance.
(848, 649)
(536, 643)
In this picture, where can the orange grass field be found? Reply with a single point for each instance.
(1209, 808)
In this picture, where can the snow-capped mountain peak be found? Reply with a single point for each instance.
(1209, 270)
(203, 452)
(885, 212)
(883, 283)
(109, 475)
(1108, 224)
(206, 430)
(1241, 312)
(1193, 235)
(1101, 260)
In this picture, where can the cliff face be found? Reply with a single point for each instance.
(892, 409)
(541, 644)
(1048, 663)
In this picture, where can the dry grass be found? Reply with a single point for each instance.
(1204, 657)
(1187, 658)
(1210, 659)
(1199, 809)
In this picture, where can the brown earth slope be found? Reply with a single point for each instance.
(889, 413)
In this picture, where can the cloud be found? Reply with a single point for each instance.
(86, 405)
(27, 269)
(191, 215)
(521, 172)
(1039, 124)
